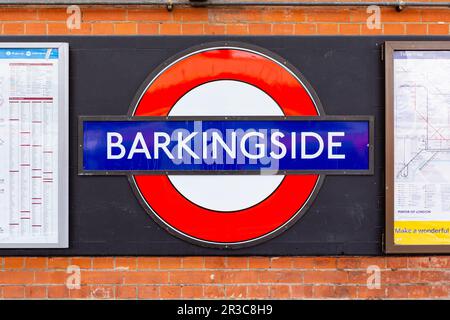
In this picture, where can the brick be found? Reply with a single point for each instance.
(192, 28)
(191, 15)
(281, 277)
(170, 28)
(16, 277)
(280, 292)
(303, 263)
(13, 292)
(415, 292)
(236, 292)
(327, 28)
(35, 292)
(50, 277)
(14, 263)
(212, 292)
(148, 292)
(435, 276)
(328, 15)
(18, 14)
(413, 29)
(437, 29)
(236, 277)
(126, 263)
(397, 292)
(214, 29)
(258, 262)
(170, 292)
(215, 262)
(397, 262)
(366, 262)
(260, 28)
(103, 14)
(36, 28)
(146, 263)
(191, 292)
(418, 262)
(440, 262)
(82, 262)
(58, 263)
(409, 15)
(293, 15)
(83, 292)
(237, 29)
(193, 262)
(52, 14)
(442, 291)
(283, 28)
(170, 263)
(366, 293)
(125, 28)
(349, 29)
(232, 15)
(366, 31)
(128, 292)
(359, 277)
(13, 28)
(258, 291)
(324, 263)
(347, 263)
(237, 263)
(102, 292)
(394, 29)
(146, 277)
(148, 28)
(281, 263)
(102, 28)
(301, 291)
(62, 29)
(191, 277)
(103, 263)
(85, 29)
(435, 15)
(101, 277)
(58, 292)
(346, 292)
(325, 277)
(35, 263)
(399, 277)
(149, 14)
(305, 28)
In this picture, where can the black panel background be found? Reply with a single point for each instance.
(106, 218)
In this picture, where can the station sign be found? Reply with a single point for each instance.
(226, 145)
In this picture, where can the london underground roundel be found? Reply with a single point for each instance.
(226, 79)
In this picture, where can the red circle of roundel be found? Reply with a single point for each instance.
(184, 218)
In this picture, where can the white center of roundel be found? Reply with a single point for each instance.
(226, 98)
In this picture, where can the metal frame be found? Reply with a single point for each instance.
(63, 143)
(368, 119)
(390, 48)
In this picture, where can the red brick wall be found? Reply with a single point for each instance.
(196, 21)
(220, 277)
(208, 277)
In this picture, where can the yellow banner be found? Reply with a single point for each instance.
(421, 232)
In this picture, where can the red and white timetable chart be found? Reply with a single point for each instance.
(33, 109)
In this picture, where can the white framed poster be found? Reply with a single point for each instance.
(418, 146)
(33, 145)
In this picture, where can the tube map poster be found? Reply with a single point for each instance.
(422, 147)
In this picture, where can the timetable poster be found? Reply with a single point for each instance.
(29, 145)
(422, 147)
